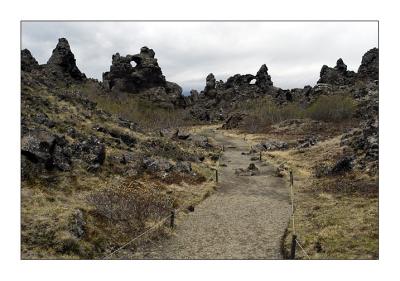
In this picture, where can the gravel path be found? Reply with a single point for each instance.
(244, 219)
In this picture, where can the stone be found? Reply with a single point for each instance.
(156, 165)
(263, 79)
(91, 150)
(200, 141)
(42, 147)
(251, 170)
(183, 167)
(28, 62)
(342, 165)
(306, 142)
(271, 145)
(369, 68)
(125, 77)
(209, 90)
(78, 223)
(63, 60)
(124, 137)
(233, 121)
(339, 75)
(182, 134)
(168, 133)
(144, 79)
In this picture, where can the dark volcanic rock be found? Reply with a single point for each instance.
(339, 75)
(369, 68)
(343, 165)
(272, 145)
(183, 167)
(42, 147)
(234, 121)
(145, 79)
(209, 90)
(263, 79)
(125, 77)
(307, 142)
(156, 165)
(28, 62)
(63, 61)
(91, 150)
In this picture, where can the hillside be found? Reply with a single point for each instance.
(102, 162)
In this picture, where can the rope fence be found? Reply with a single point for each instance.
(294, 236)
(171, 216)
(137, 237)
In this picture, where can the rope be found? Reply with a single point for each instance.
(298, 243)
(294, 230)
(137, 237)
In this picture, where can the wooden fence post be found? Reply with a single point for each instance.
(291, 177)
(293, 248)
(172, 223)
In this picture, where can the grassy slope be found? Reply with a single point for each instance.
(336, 217)
(49, 202)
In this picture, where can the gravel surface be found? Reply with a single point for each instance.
(244, 219)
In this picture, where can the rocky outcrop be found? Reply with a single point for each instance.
(125, 77)
(209, 90)
(219, 97)
(339, 75)
(263, 79)
(62, 61)
(364, 145)
(369, 68)
(28, 62)
(144, 79)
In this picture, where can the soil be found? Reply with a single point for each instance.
(245, 218)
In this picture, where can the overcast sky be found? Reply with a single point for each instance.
(187, 51)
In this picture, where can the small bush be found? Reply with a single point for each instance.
(130, 205)
(332, 108)
(264, 112)
(147, 114)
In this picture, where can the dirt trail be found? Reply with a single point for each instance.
(244, 219)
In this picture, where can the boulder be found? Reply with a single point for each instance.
(233, 121)
(91, 150)
(272, 145)
(251, 170)
(182, 134)
(155, 165)
(183, 167)
(342, 165)
(42, 147)
(306, 142)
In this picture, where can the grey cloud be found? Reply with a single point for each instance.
(187, 51)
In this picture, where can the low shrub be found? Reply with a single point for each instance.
(334, 108)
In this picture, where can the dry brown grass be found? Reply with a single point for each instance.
(336, 217)
(263, 112)
(131, 107)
